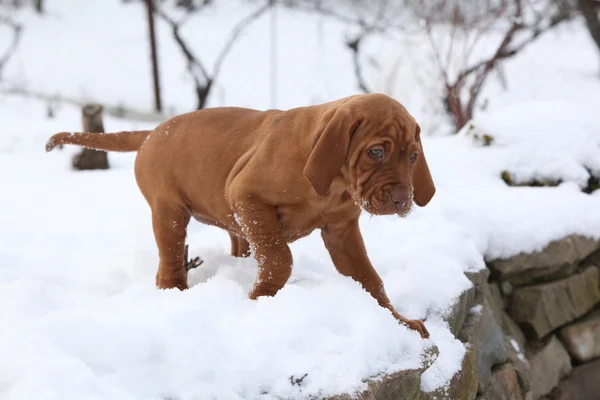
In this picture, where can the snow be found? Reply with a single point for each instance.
(476, 309)
(517, 348)
(71, 295)
(547, 141)
(521, 146)
(77, 267)
(186, 344)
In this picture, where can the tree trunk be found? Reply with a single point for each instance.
(39, 6)
(202, 92)
(590, 9)
(154, 57)
(91, 117)
(459, 113)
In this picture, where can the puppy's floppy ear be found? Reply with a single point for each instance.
(330, 148)
(423, 187)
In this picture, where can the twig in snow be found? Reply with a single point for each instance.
(297, 381)
(191, 264)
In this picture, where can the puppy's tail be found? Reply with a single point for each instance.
(120, 141)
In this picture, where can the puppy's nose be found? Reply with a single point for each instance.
(400, 196)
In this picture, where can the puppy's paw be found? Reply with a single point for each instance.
(419, 326)
(171, 282)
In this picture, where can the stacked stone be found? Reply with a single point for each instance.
(542, 317)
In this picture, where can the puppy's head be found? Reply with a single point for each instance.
(376, 145)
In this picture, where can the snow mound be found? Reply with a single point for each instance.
(542, 141)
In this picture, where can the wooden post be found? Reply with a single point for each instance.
(91, 118)
(155, 75)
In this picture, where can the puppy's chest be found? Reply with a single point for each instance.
(299, 220)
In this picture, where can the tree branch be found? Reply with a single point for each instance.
(192, 61)
(194, 65)
(354, 45)
(471, 79)
(590, 10)
(317, 8)
(17, 31)
(237, 29)
(382, 22)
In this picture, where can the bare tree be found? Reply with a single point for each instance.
(203, 78)
(463, 78)
(591, 12)
(14, 44)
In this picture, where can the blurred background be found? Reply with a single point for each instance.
(145, 60)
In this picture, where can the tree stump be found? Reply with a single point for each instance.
(91, 116)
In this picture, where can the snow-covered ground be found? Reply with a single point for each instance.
(79, 314)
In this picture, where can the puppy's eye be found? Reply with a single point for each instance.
(376, 153)
(413, 157)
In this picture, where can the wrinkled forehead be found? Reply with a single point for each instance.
(389, 120)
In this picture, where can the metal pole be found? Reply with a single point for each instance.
(273, 54)
(155, 75)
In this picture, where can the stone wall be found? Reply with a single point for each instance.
(533, 322)
(532, 328)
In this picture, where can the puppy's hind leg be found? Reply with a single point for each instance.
(239, 246)
(169, 223)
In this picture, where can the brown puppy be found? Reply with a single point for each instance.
(272, 177)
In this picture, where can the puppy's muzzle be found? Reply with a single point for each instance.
(400, 196)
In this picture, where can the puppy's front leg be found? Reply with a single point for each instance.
(347, 250)
(262, 229)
